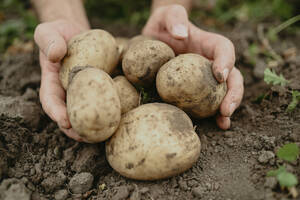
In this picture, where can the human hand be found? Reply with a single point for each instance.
(170, 24)
(52, 37)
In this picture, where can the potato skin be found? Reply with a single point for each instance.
(128, 95)
(93, 105)
(154, 141)
(187, 82)
(96, 48)
(143, 59)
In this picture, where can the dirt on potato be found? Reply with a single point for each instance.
(39, 162)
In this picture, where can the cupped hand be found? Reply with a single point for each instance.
(171, 25)
(52, 37)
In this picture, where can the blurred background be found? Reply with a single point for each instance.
(17, 18)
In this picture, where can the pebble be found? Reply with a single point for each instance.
(61, 194)
(198, 191)
(122, 193)
(81, 183)
(266, 156)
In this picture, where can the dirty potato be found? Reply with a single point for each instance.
(128, 95)
(142, 61)
(153, 141)
(96, 48)
(187, 82)
(93, 105)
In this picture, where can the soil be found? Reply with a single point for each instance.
(39, 162)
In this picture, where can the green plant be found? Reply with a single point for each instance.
(270, 77)
(294, 102)
(288, 152)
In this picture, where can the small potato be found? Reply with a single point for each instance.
(128, 95)
(187, 82)
(142, 61)
(153, 141)
(96, 48)
(93, 105)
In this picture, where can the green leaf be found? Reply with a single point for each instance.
(294, 102)
(287, 179)
(288, 152)
(276, 172)
(270, 77)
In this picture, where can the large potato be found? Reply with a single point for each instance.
(143, 59)
(93, 105)
(128, 95)
(96, 48)
(153, 141)
(187, 81)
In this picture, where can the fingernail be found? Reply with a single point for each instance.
(180, 30)
(232, 107)
(225, 74)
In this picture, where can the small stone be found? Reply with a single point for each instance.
(32, 172)
(183, 185)
(122, 193)
(266, 156)
(61, 194)
(81, 183)
(270, 182)
(198, 191)
(54, 181)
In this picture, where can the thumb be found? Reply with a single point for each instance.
(50, 42)
(176, 22)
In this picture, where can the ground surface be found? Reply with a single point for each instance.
(38, 161)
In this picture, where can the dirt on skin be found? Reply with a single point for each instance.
(39, 162)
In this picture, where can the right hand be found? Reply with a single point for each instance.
(52, 38)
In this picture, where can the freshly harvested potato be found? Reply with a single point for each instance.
(142, 61)
(96, 48)
(187, 82)
(138, 38)
(93, 105)
(128, 95)
(154, 141)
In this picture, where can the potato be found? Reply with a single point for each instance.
(128, 95)
(93, 105)
(187, 82)
(142, 61)
(96, 48)
(138, 38)
(154, 141)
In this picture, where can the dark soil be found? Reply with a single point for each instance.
(39, 162)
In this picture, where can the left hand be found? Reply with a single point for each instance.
(170, 24)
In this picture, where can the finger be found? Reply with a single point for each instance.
(50, 42)
(52, 95)
(234, 94)
(223, 122)
(224, 59)
(72, 134)
(176, 21)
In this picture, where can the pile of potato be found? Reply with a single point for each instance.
(144, 142)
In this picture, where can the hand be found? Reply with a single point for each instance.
(52, 37)
(170, 24)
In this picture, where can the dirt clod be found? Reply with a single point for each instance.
(61, 194)
(14, 189)
(266, 156)
(122, 193)
(81, 183)
(198, 191)
(54, 181)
